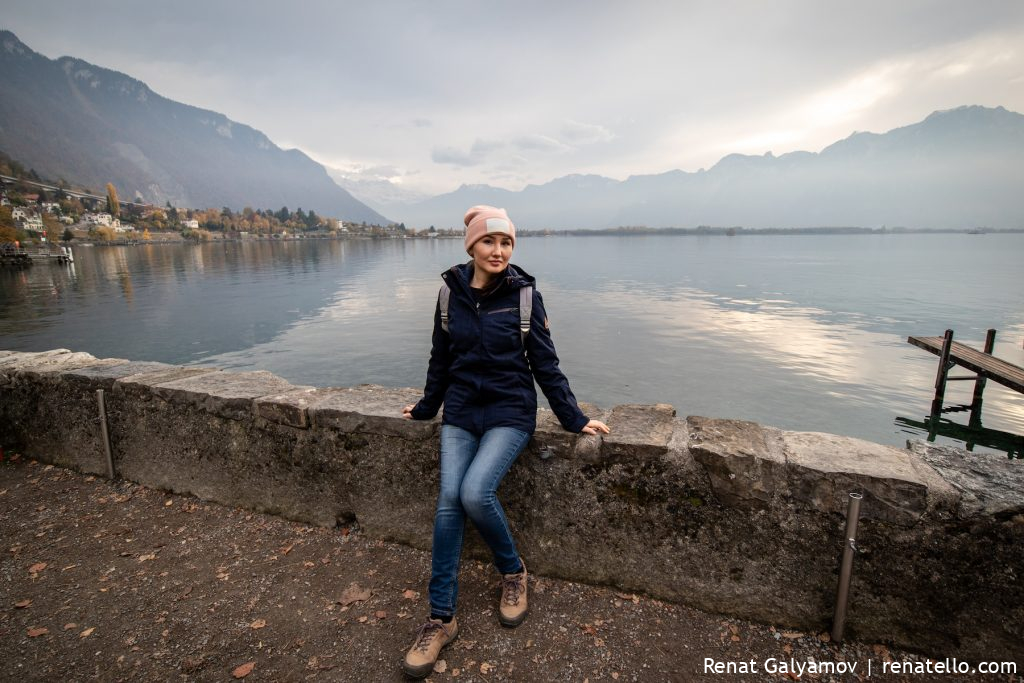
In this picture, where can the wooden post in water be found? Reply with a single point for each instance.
(979, 384)
(940, 378)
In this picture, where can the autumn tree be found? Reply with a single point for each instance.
(67, 236)
(51, 225)
(8, 234)
(113, 206)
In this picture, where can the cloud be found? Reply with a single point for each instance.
(577, 133)
(476, 155)
(539, 143)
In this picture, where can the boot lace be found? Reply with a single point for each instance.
(511, 585)
(427, 633)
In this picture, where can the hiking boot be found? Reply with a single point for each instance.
(432, 636)
(513, 606)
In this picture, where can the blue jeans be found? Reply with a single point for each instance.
(472, 467)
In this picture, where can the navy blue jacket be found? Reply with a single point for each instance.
(478, 368)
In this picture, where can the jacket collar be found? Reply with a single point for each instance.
(460, 275)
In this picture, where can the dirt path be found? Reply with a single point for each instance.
(113, 581)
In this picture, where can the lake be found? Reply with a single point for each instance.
(803, 332)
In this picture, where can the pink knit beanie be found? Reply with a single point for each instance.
(485, 220)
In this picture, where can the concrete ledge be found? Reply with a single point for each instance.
(226, 394)
(725, 515)
(370, 409)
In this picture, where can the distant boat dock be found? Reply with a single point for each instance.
(18, 257)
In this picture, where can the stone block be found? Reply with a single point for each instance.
(744, 461)
(987, 485)
(823, 469)
(15, 359)
(370, 409)
(551, 440)
(104, 373)
(289, 408)
(52, 363)
(227, 394)
(148, 379)
(639, 432)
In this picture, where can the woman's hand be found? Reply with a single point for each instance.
(407, 411)
(595, 426)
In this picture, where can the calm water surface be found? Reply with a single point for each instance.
(799, 332)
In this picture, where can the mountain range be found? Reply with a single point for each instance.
(958, 168)
(66, 118)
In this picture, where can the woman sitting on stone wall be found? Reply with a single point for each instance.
(491, 340)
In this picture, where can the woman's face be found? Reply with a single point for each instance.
(491, 253)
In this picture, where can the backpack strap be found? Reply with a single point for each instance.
(442, 301)
(525, 311)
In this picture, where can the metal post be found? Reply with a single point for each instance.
(940, 376)
(105, 433)
(979, 384)
(846, 568)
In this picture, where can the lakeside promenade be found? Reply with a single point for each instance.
(113, 581)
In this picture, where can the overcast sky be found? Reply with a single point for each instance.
(436, 94)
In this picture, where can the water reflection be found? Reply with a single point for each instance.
(971, 437)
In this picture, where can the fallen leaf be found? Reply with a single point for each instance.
(244, 670)
(168, 503)
(37, 567)
(68, 627)
(380, 614)
(824, 637)
(410, 594)
(486, 668)
(258, 624)
(787, 648)
(440, 666)
(362, 620)
(735, 638)
(87, 632)
(354, 593)
(792, 635)
(307, 564)
(145, 558)
(22, 604)
(615, 675)
(38, 631)
(287, 549)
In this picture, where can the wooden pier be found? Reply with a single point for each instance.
(18, 257)
(983, 364)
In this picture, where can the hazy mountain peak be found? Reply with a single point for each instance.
(67, 118)
(13, 46)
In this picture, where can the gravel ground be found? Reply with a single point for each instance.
(113, 581)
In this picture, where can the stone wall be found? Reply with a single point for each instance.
(727, 516)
